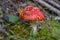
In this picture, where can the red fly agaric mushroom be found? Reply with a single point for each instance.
(32, 13)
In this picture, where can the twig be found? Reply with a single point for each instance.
(48, 6)
(53, 3)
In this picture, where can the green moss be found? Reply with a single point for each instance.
(45, 32)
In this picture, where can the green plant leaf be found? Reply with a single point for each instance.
(12, 18)
(1, 11)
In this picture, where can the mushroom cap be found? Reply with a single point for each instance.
(32, 13)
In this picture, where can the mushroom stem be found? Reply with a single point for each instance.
(34, 28)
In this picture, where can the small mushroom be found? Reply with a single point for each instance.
(33, 14)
